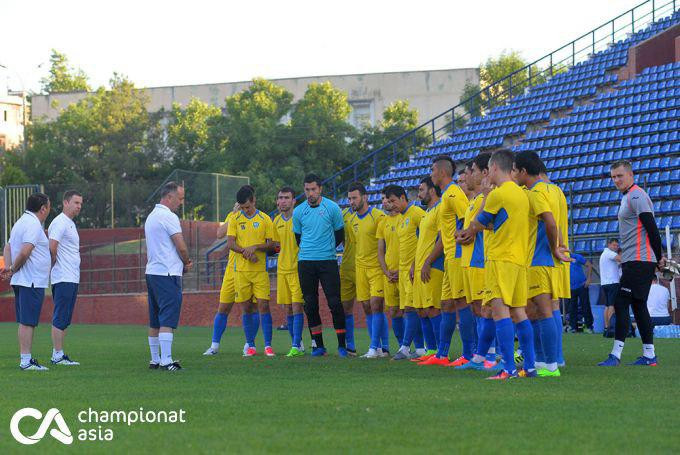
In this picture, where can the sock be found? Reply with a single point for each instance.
(548, 340)
(617, 349)
(398, 328)
(557, 317)
(349, 327)
(342, 339)
(538, 346)
(247, 323)
(525, 334)
(491, 354)
(436, 327)
(475, 336)
(369, 325)
(255, 324)
(648, 351)
(298, 324)
(428, 333)
(418, 340)
(317, 339)
(467, 331)
(506, 338)
(266, 322)
(56, 355)
(446, 329)
(165, 340)
(153, 347)
(289, 323)
(376, 331)
(411, 324)
(26, 358)
(487, 335)
(385, 333)
(219, 326)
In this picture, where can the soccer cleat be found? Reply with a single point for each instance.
(471, 366)
(295, 352)
(174, 366)
(211, 351)
(372, 354)
(33, 365)
(401, 356)
(250, 352)
(64, 361)
(492, 366)
(527, 374)
(503, 375)
(422, 358)
(546, 373)
(384, 353)
(351, 352)
(421, 352)
(519, 357)
(458, 362)
(153, 366)
(434, 360)
(645, 361)
(269, 352)
(318, 352)
(612, 361)
(342, 352)
(245, 348)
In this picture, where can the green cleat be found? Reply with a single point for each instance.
(431, 352)
(295, 352)
(545, 373)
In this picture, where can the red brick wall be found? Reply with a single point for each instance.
(655, 51)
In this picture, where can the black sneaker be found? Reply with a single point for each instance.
(174, 366)
(153, 366)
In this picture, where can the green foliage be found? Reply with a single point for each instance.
(12, 175)
(190, 135)
(62, 77)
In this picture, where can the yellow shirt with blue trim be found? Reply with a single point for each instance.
(348, 254)
(364, 228)
(543, 198)
(428, 233)
(388, 231)
(454, 203)
(232, 255)
(288, 254)
(250, 231)
(472, 254)
(507, 210)
(563, 221)
(408, 235)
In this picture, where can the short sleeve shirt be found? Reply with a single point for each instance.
(249, 231)
(162, 257)
(316, 227)
(632, 234)
(36, 270)
(67, 268)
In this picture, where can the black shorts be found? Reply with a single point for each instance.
(636, 279)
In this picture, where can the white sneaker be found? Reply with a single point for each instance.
(245, 348)
(33, 365)
(64, 360)
(372, 354)
(211, 351)
(421, 352)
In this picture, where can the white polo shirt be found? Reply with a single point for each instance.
(67, 268)
(36, 270)
(161, 255)
(610, 270)
(657, 302)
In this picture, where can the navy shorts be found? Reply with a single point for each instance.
(165, 300)
(27, 304)
(64, 297)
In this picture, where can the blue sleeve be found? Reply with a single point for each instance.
(485, 218)
(337, 220)
(578, 258)
(297, 227)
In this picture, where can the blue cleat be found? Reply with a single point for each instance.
(479, 366)
(318, 352)
(645, 361)
(612, 361)
(342, 352)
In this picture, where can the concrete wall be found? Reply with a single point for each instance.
(430, 92)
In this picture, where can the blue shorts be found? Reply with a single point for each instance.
(27, 304)
(165, 300)
(64, 298)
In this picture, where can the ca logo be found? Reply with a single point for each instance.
(61, 434)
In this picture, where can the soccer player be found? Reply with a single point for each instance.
(288, 291)
(545, 257)
(167, 259)
(427, 270)
(641, 255)
(348, 284)
(65, 275)
(370, 291)
(388, 257)
(454, 203)
(249, 236)
(27, 263)
(505, 214)
(319, 229)
(407, 233)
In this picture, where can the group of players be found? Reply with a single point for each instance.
(489, 251)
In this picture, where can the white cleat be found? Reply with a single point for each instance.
(420, 352)
(372, 354)
(211, 351)
(245, 348)
(64, 360)
(33, 365)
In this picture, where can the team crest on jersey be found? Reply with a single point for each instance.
(243, 227)
(256, 224)
(406, 221)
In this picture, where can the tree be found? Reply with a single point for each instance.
(191, 135)
(62, 77)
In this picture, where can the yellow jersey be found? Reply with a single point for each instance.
(250, 231)
(364, 228)
(428, 233)
(408, 235)
(388, 231)
(507, 208)
(543, 198)
(288, 254)
(232, 255)
(347, 264)
(472, 254)
(563, 221)
(454, 202)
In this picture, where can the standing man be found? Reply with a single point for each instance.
(641, 255)
(659, 304)
(388, 257)
(348, 283)
(579, 293)
(167, 259)
(65, 276)
(319, 229)
(27, 262)
(288, 291)
(249, 236)
(610, 274)
(369, 276)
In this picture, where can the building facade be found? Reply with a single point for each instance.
(13, 117)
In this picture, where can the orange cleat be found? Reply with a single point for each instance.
(250, 352)
(269, 352)
(502, 376)
(460, 361)
(434, 360)
(422, 358)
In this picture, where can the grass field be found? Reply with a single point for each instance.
(333, 405)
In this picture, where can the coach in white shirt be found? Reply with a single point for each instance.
(27, 261)
(167, 259)
(610, 273)
(658, 303)
(65, 276)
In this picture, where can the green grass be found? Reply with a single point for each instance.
(334, 405)
(126, 247)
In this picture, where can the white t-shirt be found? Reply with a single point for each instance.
(610, 270)
(657, 302)
(67, 268)
(36, 270)
(161, 255)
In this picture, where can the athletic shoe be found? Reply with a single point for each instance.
(413, 355)
(372, 354)
(269, 352)
(385, 353)
(250, 352)
(422, 358)
(64, 361)
(527, 374)
(612, 361)
(153, 366)
(211, 351)
(245, 348)
(342, 352)
(458, 362)
(588, 330)
(519, 357)
(562, 364)
(645, 361)
(295, 352)
(503, 375)
(401, 356)
(174, 366)
(492, 366)
(351, 352)
(546, 373)
(33, 365)
(421, 352)
(434, 360)
(318, 352)
(471, 366)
